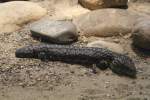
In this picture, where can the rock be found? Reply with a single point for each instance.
(70, 12)
(108, 45)
(139, 1)
(105, 22)
(54, 31)
(71, 9)
(141, 33)
(96, 4)
(10, 0)
(16, 13)
(140, 7)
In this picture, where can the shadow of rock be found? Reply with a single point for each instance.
(141, 52)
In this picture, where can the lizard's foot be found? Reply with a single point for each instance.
(102, 64)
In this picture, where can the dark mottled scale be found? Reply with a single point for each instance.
(70, 54)
(103, 58)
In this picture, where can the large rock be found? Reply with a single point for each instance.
(139, 1)
(105, 22)
(69, 12)
(15, 14)
(140, 6)
(107, 45)
(54, 31)
(10, 0)
(71, 9)
(96, 4)
(141, 33)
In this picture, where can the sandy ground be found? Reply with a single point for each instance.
(30, 79)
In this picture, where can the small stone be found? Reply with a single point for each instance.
(107, 45)
(108, 95)
(107, 82)
(54, 31)
(107, 74)
(140, 93)
(133, 82)
(106, 86)
(116, 40)
(72, 72)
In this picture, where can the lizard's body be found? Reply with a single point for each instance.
(86, 55)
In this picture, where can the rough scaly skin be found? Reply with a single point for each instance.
(103, 58)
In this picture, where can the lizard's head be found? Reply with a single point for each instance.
(123, 65)
(25, 52)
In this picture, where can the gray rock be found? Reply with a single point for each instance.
(108, 45)
(141, 33)
(54, 31)
(105, 22)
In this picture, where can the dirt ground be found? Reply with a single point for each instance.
(30, 79)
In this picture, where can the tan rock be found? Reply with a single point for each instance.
(11, 0)
(68, 9)
(140, 8)
(96, 4)
(139, 1)
(16, 13)
(108, 45)
(105, 22)
(69, 12)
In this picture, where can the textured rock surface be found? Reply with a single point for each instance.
(139, 1)
(108, 45)
(69, 12)
(11, 0)
(140, 7)
(54, 31)
(65, 9)
(141, 33)
(16, 13)
(96, 4)
(105, 22)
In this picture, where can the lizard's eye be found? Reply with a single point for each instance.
(123, 65)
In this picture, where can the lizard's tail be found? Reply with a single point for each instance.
(25, 52)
